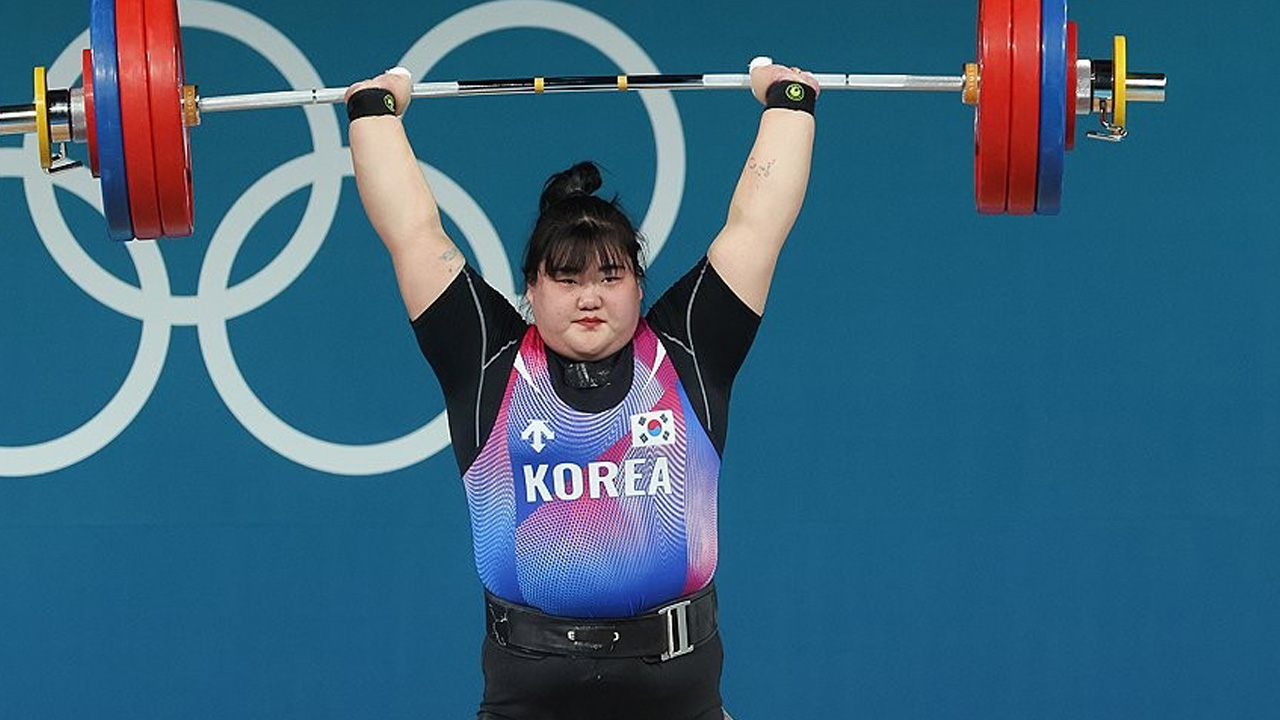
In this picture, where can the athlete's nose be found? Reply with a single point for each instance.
(589, 298)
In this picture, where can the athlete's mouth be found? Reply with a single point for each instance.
(589, 322)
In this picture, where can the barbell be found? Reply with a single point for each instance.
(134, 109)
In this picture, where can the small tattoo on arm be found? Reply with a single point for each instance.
(760, 169)
(450, 258)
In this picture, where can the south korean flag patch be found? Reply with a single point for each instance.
(653, 429)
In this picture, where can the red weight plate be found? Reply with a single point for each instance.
(1024, 108)
(1073, 54)
(135, 112)
(168, 129)
(991, 122)
(90, 111)
(188, 184)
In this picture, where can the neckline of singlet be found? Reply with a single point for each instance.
(597, 399)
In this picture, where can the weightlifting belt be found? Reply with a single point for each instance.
(670, 631)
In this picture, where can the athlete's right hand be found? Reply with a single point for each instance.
(396, 80)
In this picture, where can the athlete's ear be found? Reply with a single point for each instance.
(528, 299)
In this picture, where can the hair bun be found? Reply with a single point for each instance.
(581, 179)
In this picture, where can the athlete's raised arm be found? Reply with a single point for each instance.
(395, 194)
(771, 188)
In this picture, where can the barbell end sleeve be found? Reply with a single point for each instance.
(1146, 87)
(17, 119)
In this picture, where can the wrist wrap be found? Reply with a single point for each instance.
(791, 95)
(371, 102)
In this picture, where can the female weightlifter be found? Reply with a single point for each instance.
(589, 442)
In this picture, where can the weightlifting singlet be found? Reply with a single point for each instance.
(603, 514)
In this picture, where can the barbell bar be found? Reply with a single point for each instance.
(135, 109)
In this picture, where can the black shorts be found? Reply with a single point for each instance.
(522, 685)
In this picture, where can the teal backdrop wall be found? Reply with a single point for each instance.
(978, 467)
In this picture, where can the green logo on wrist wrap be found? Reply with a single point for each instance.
(795, 92)
(390, 101)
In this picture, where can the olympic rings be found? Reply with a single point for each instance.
(216, 301)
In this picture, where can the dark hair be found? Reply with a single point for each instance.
(575, 227)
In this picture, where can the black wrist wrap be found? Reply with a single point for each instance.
(371, 102)
(791, 95)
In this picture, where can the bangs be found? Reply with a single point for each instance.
(585, 243)
(577, 233)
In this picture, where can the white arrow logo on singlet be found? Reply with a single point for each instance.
(536, 435)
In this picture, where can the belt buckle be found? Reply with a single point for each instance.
(677, 616)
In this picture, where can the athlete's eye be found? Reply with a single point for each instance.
(613, 278)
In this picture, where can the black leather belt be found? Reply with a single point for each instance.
(670, 631)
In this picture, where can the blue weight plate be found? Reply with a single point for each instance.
(1053, 106)
(106, 95)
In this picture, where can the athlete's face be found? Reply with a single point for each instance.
(586, 315)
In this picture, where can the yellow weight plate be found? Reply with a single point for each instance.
(1120, 92)
(43, 133)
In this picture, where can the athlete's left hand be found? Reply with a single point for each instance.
(764, 76)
